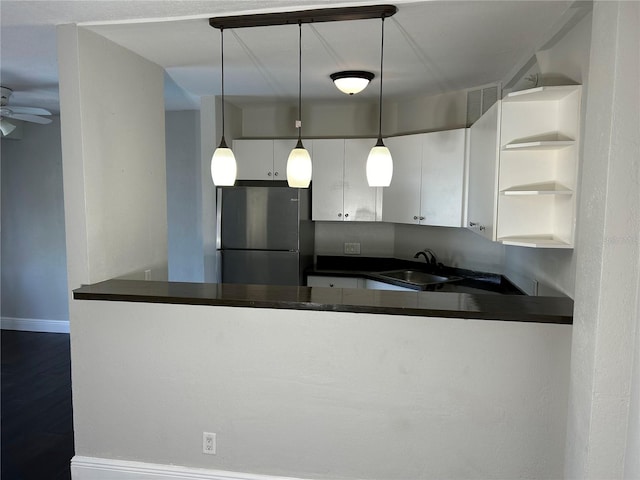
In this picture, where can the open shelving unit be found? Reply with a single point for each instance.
(537, 173)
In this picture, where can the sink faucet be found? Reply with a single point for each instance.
(429, 256)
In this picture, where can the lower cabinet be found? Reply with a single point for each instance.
(376, 285)
(352, 282)
(337, 282)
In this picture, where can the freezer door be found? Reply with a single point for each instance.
(260, 267)
(259, 218)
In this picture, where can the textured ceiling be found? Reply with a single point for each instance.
(430, 47)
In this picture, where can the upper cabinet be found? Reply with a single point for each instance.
(428, 179)
(482, 196)
(535, 166)
(340, 189)
(262, 159)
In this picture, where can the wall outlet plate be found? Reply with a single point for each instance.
(352, 248)
(209, 443)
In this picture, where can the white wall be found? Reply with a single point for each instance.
(34, 268)
(320, 394)
(603, 430)
(455, 247)
(184, 240)
(113, 144)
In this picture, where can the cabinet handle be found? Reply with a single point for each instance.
(339, 215)
(421, 218)
(275, 174)
(473, 224)
(346, 215)
(269, 174)
(415, 217)
(331, 284)
(481, 228)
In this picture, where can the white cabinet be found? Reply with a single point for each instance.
(335, 282)
(483, 173)
(376, 285)
(263, 159)
(428, 179)
(340, 189)
(523, 168)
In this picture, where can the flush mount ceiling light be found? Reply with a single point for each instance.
(223, 162)
(351, 81)
(379, 162)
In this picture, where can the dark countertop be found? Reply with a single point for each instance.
(420, 303)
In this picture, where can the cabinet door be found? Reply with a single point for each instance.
(483, 171)
(327, 180)
(281, 151)
(334, 282)
(360, 200)
(442, 193)
(254, 159)
(401, 201)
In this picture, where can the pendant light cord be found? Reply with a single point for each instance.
(381, 62)
(300, 82)
(223, 144)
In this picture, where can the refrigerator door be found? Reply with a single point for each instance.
(260, 267)
(260, 218)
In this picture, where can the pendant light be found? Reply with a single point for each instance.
(379, 162)
(223, 162)
(299, 161)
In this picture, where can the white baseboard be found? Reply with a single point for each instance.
(93, 468)
(34, 325)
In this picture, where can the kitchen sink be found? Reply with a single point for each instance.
(417, 277)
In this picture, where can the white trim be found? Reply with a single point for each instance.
(93, 468)
(34, 325)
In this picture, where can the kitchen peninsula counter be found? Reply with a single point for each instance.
(518, 308)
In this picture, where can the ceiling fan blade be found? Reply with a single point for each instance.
(30, 118)
(29, 110)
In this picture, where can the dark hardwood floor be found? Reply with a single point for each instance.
(37, 428)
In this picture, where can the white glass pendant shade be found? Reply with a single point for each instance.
(223, 167)
(299, 167)
(352, 85)
(379, 166)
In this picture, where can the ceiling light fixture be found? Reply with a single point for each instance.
(379, 162)
(299, 161)
(6, 127)
(351, 81)
(223, 162)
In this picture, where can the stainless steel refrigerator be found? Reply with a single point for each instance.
(265, 233)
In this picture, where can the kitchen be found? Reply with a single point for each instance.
(345, 330)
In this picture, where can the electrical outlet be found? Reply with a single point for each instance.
(352, 248)
(209, 443)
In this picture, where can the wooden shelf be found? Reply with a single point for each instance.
(551, 188)
(538, 94)
(535, 241)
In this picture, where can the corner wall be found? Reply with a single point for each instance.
(113, 144)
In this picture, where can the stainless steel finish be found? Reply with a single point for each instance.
(265, 233)
(417, 277)
(260, 267)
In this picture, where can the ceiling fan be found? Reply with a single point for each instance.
(26, 114)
